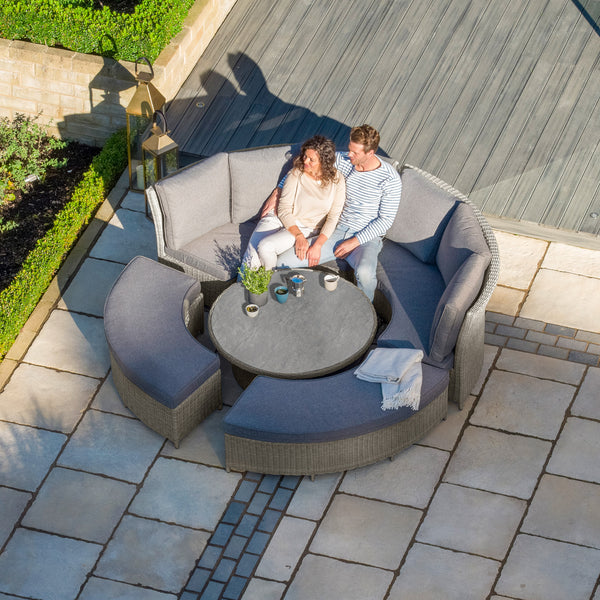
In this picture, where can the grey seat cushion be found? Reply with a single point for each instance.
(413, 289)
(218, 253)
(319, 410)
(424, 211)
(195, 200)
(146, 331)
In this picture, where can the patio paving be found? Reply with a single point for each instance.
(500, 501)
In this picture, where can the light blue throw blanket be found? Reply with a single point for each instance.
(400, 373)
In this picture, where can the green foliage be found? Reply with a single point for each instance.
(26, 153)
(18, 300)
(256, 281)
(80, 27)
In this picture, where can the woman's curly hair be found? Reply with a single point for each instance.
(325, 148)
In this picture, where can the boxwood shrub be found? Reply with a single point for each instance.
(18, 300)
(78, 26)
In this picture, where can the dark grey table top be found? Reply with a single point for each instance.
(315, 334)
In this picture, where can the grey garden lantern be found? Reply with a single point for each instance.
(140, 112)
(160, 154)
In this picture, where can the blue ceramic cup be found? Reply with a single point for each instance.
(281, 293)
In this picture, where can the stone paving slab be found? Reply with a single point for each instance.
(27, 454)
(313, 496)
(104, 589)
(184, 493)
(586, 403)
(577, 451)
(384, 531)
(409, 479)
(259, 589)
(446, 434)
(323, 577)
(128, 234)
(71, 342)
(471, 521)
(523, 404)
(520, 259)
(79, 505)
(108, 400)
(431, 572)
(567, 510)
(498, 462)
(46, 398)
(541, 569)
(43, 566)
(112, 445)
(98, 275)
(580, 261)
(13, 504)
(153, 554)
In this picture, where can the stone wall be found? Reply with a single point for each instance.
(85, 96)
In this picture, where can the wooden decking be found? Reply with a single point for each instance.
(500, 99)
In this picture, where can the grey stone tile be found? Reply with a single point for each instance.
(510, 331)
(560, 330)
(571, 344)
(522, 345)
(153, 554)
(553, 352)
(13, 504)
(49, 567)
(471, 521)
(577, 450)
(105, 589)
(587, 402)
(565, 509)
(108, 400)
(541, 569)
(259, 589)
(584, 358)
(323, 577)
(445, 435)
(385, 530)
(495, 317)
(312, 497)
(27, 455)
(127, 235)
(133, 201)
(544, 367)
(409, 479)
(541, 338)
(112, 445)
(71, 342)
(205, 444)
(285, 549)
(456, 576)
(497, 462)
(523, 404)
(185, 493)
(89, 289)
(79, 505)
(46, 398)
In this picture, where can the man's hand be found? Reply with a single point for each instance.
(270, 204)
(344, 248)
(314, 255)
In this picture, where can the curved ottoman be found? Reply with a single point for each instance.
(326, 425)
(165, 376)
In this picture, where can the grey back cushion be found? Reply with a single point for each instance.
(254, 175)
(422, 216)
(462, 258)
(195, 200)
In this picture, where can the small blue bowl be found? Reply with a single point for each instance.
(281, 293)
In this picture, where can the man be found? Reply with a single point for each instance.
(373, 189)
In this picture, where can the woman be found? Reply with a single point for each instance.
(309, 207)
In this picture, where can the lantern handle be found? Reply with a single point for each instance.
(144, 76)
(164, 118)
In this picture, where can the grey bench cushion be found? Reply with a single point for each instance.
(147, 334)
(319, 410)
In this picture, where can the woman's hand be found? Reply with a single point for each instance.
(314, 255)
(270, 204)
(301, 246)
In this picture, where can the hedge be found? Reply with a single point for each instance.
(18, 300)
(77, 26)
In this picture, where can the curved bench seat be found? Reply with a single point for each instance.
(165, 376)
(326, 425)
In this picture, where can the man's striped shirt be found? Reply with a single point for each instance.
(372, 198)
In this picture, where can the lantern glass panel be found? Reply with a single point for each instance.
(138, 128)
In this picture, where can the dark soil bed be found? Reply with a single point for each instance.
(34, 211)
